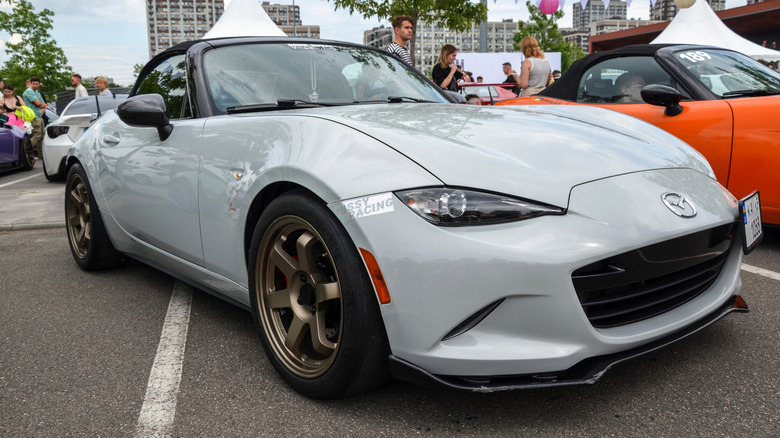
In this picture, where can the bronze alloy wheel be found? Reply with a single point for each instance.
(77, 214)
(299, 297)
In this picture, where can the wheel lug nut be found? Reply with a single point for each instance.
(313, 310)
(300, 301)
(303, 278)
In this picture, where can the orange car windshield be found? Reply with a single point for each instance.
(730, 74)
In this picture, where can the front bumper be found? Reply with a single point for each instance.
(588, 371)
(440, 278)
(54, 152)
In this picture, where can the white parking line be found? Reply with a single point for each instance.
(18, 180)
(159, 408)
(761, 271)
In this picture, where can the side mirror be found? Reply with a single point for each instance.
(453, 96)
(147, 110)
(663, 95)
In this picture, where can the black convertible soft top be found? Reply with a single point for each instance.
(566, 86)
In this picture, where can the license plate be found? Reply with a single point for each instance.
(752, 233)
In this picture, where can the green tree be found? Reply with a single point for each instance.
(544, 28)
(455, 15)
(137, 70)
(37, 54)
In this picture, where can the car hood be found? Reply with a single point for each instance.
(535, 152)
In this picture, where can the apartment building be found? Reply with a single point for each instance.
(170, 22)
(288, 18)
(431, 37)
(665, 10)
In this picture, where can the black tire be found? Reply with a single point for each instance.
(26, 153)
(299, 254)
(87, 237)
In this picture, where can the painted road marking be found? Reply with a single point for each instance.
(18, 180)
(761, 271)
(159, 408)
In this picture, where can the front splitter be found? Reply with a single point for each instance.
(588, 371)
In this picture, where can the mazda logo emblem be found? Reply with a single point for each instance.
(679, 204)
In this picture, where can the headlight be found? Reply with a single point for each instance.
(447, 206)
(56, 130)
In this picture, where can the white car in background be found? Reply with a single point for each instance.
(62, 132)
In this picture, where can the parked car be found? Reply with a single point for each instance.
(721, 102)
(16, 149)
(458, 245)
(488, 94)
(62, 132)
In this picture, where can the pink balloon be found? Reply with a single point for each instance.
(548, 6)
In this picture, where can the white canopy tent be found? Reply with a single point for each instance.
(698, 24)
(244, 18)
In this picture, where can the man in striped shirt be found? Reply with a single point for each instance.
(403, 27)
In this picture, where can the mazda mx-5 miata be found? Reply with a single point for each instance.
(480, 248)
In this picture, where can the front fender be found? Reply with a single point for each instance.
(242, 155)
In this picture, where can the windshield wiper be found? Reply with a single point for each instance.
(399, 99)
(754, 92)
(280, 104)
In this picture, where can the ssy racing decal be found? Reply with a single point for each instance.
(364, 206)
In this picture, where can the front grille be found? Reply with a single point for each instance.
(652, 280)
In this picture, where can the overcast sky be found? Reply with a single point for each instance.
(107, 37)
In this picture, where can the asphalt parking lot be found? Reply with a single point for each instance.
(77, 350)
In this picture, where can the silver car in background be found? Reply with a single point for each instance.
(400, 235)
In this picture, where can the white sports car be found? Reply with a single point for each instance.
(480, 248)
(62, 132)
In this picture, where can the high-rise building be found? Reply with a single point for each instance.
(431, 37)
(665, 10)
(288, 18)
(170, 22)
(595, 11)
(380, 37)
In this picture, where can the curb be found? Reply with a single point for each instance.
(40, 226)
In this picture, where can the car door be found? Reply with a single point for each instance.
(8, 146)
(707, 125)
(151, 186)
(756, 158)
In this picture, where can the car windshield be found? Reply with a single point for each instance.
(730, 74)
(274, 76)
(88, 105)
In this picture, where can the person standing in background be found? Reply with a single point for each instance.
(535, 70)
(445, 73)
(33, 98)
(102, 85)
(511, 77)
(403, 28)
(75, 80)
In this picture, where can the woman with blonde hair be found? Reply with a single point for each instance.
(535, 70)
(445, 73)
(102, 85)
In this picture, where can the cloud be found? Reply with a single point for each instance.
(96, 10)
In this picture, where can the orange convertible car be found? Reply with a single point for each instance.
(723, 103)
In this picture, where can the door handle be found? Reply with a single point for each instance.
(109, 139)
